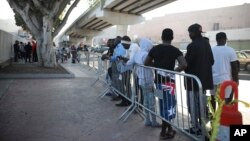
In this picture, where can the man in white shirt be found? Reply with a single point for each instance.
(225, 66)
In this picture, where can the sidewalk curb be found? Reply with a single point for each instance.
(38, 76)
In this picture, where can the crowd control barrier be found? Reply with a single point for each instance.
(172, 93)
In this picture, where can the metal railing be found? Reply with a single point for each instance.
(169, 88)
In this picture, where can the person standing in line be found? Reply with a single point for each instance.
(131, 49)
(164, 56)
(22, 51)
(74, 54)
(79, 50)
(146, 81)
(63, 54)
(28, 49)
(225, 66)
(115, 81)
(34, 52)
(68, 51)
(16, 51)
(199, 59)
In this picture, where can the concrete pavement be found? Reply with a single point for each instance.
(66, 110)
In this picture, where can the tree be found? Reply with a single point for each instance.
(19, 21)
(44, 20)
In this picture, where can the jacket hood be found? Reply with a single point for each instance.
(146, 44)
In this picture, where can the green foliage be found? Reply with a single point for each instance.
(216, 114)
(19, 21)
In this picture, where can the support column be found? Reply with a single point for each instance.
(121, 30)
(88, 40)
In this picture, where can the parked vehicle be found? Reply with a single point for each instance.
(99, 48)
(246, 51)
(244, 60)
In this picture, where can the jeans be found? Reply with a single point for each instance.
(149, 102)
(193, 103)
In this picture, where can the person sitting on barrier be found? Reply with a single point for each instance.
(200, 60)
(164, 56)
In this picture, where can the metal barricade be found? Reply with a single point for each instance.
(87, 57)
(91, 60)
(173, 92)
(101, 67)
(102, 73)
(179, 97)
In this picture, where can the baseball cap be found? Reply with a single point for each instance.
(196, 28)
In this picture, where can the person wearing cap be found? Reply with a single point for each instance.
(225, 66)
(199, 63)
(164, 56)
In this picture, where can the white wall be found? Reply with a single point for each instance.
(6, 49)
(232, 35)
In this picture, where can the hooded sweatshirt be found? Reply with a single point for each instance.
(145, 75)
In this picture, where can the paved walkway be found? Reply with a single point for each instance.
(66, 110)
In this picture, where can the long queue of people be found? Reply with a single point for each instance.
(65, 53)
(212, 66)
(25, 52)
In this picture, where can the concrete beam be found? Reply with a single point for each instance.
(116, 18)
(110, 3)
(88, 16)
(76, 41)
(85, 32)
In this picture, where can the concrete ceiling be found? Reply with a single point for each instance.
(137, 7)
(92, 21)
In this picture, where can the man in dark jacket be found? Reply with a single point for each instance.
(28, 50)
(199, 58)
(16, 51)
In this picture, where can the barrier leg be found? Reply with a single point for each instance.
(128, 111)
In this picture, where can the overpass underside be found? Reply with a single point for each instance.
(108, 13)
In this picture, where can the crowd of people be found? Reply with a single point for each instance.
(73, 52)
(212, 65)
(25, 52)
